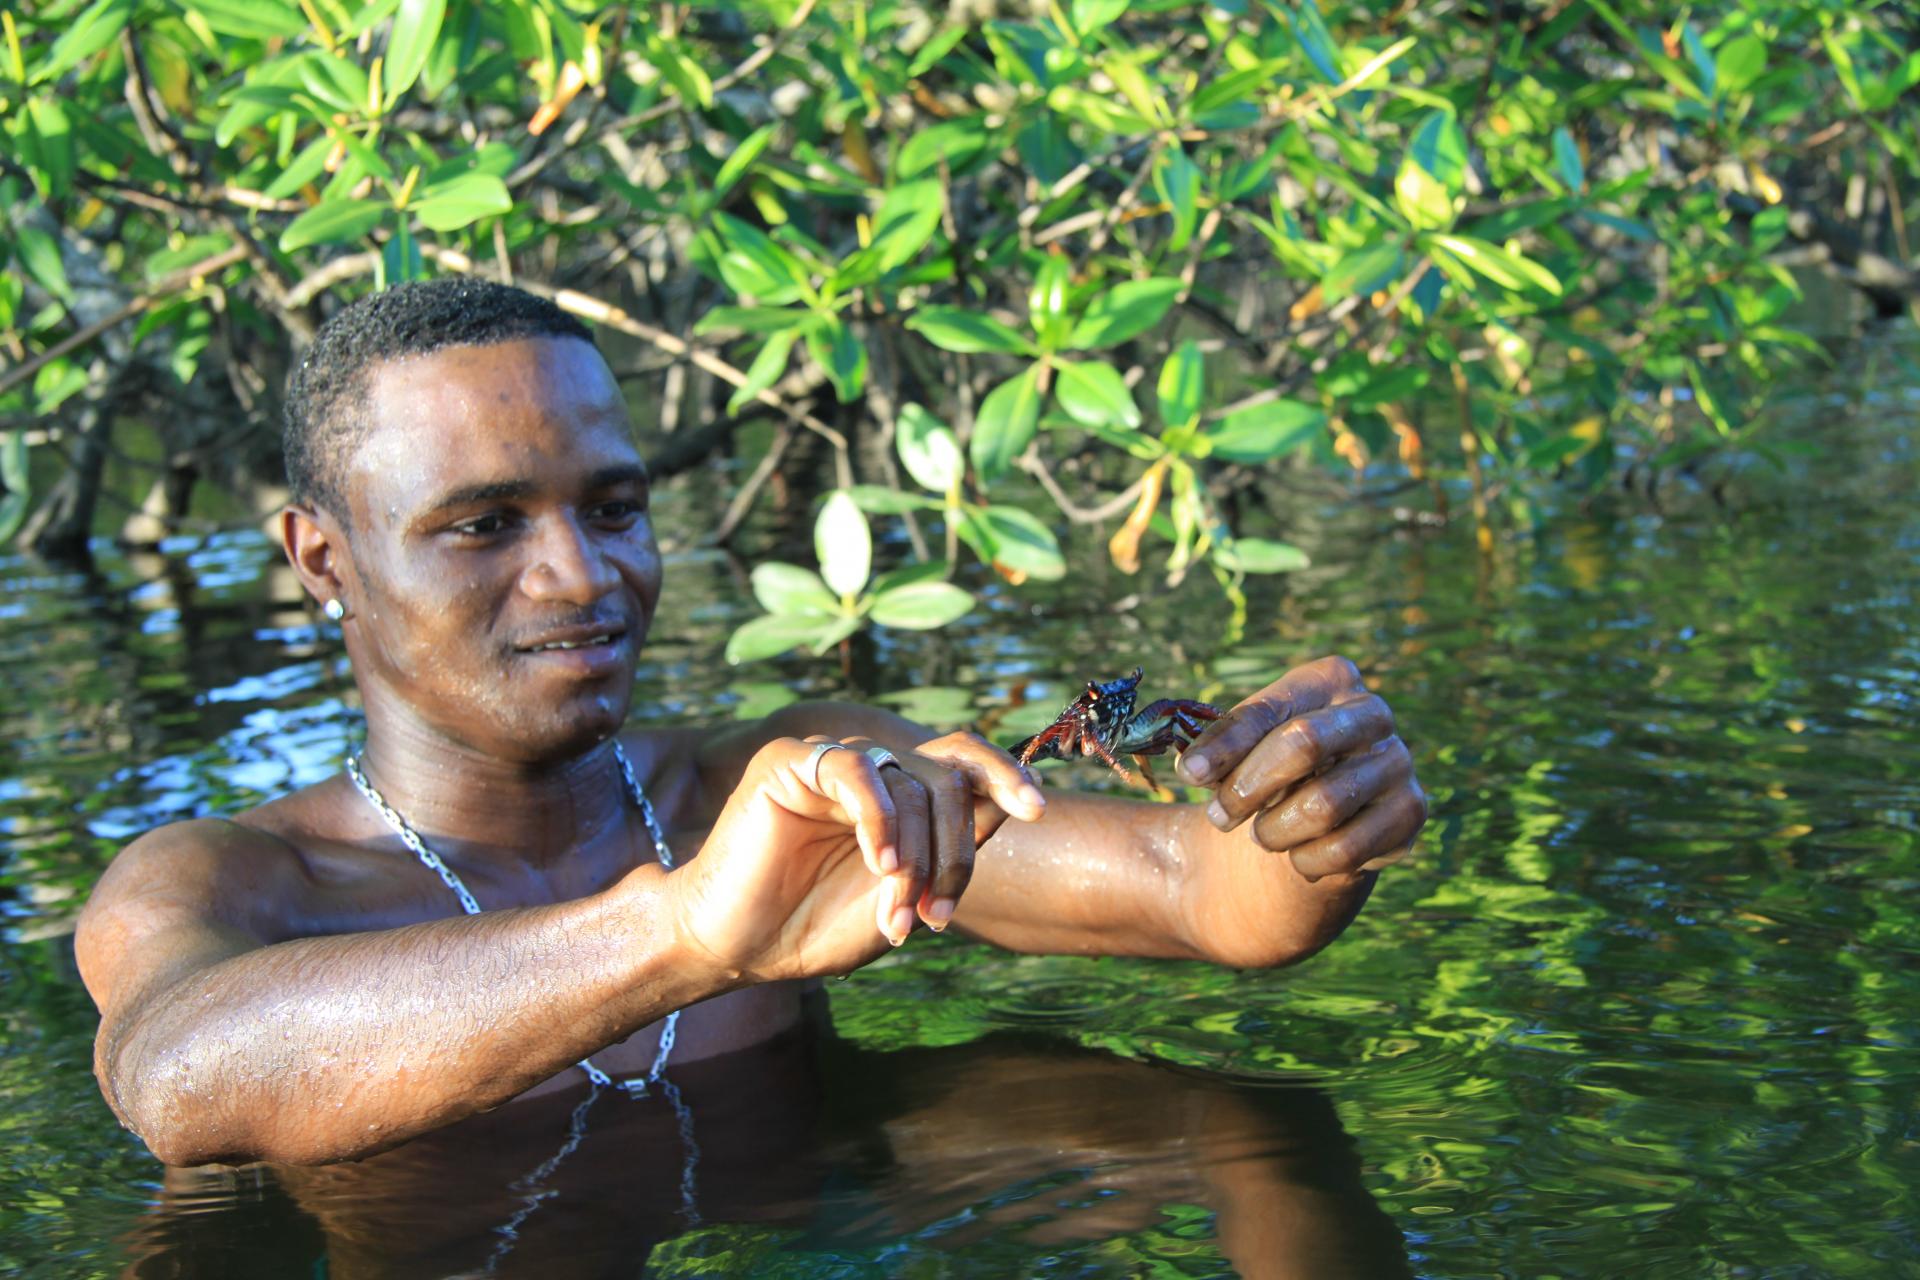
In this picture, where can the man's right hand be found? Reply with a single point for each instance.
(813, 868)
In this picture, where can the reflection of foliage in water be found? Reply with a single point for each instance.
(1647, 987)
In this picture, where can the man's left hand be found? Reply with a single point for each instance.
(1313, 761)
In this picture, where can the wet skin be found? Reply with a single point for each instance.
(292, 985)
(939, 1151)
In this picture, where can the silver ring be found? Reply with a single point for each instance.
(810, 767)
(882, 757)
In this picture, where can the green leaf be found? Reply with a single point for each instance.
(752, 319)
(756, 266)
(415, 29)
(91, 32)
(1006, 423)
(451, 205)
(1177, 181)
(1566, 154)
(834, 348)
(304, 168)
(1703, 64)
(1440, 147)
(57, 382)
(400, 257)
(765, 370)
(1047, 300)
(1100, 114)
(1263, 432)
(928, 450)
(921, 606)
(743, 156)
(1091, 16)
(910, 573)
(1014, 539)
(907, 219)
(250, 19)
(968, 332)
(332, 222)
(1093, 393)
(1740, 62)
(1182, 384)
(938, 46)
(1502, 266)
(878, 500)
(843, 544)
(789, 589)
(1433, 172)
(1128, 309)
(1310, 29)
(1364, 270)
(1258, 555)
(771, 636)
(13, 461)
(688, 78)
(1223, 91)
(957, 143)
(54, 138)
(16, 502)
(40, 254)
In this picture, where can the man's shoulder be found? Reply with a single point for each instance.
(245, 855)
(238, 853)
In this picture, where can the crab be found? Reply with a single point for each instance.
(1102, 722)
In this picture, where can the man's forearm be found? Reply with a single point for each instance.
(1248, 907)
(331, 1048)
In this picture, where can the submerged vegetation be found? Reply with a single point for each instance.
(1162, 261)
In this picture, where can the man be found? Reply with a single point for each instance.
(298, 984)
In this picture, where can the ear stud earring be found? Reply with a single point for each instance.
(334, 609)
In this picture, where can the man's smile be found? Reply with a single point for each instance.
(592, 648)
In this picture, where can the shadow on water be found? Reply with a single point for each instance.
(1644, 1003)
(819, 1158)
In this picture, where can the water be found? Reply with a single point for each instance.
(1643, 1004)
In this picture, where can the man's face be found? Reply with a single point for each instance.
(501, 538)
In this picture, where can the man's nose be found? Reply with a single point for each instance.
(568, 564)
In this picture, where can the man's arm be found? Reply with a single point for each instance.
(218, 1046)
(1313, 794)
(221, 1039)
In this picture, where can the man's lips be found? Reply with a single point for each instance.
(580, 636)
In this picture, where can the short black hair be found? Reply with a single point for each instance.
(327, 393)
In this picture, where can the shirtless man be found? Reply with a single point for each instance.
(294, 985)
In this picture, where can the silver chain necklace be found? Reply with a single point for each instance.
(532, 1186)
(411, 838)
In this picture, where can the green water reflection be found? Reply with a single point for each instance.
(1644, 1004)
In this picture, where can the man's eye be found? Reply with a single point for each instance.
(481, 526)
(618, 511)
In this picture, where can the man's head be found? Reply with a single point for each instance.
(476, 503)
(326, 410)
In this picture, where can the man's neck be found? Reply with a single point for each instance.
(533, 813)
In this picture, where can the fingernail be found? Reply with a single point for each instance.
(1217, 813)
(889, 859)
(902, 925)
(1031, 796)
(1197, 765)
(939, 911)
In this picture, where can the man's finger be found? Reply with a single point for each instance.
(1378, 830)
(917, 835)
(860, 797)
(1225, 742)
(1318, 806)
(996, 777)
(1302, 747)
(951, 795)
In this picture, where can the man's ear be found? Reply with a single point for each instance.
(316, 548)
